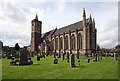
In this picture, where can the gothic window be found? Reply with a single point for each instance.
(56, 43)
(66, 42)
(61, 43)
(52, 44)
(79, 41)
(73, 41)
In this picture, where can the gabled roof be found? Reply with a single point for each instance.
(71, 27)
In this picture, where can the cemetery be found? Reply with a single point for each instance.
(24, 65)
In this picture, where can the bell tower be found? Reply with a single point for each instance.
(36, 30)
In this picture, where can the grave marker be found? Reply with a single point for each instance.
(23, 57)
(72, 60)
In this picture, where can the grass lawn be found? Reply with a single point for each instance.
(45, 69)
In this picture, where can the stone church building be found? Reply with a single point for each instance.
(76, 38)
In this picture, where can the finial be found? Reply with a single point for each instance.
(36, 17)
(93, 21)
(84, 13)
(90, 17)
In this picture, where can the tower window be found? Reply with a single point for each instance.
(32, 24)
(37, 24)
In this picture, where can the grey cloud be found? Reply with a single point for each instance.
(110, 33)
(14, 13)
(14, 38)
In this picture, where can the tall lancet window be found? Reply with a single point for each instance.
(79, 41)
(52, 44)
(61, 43)
(73, 41)
(56, 43)
(66, 42)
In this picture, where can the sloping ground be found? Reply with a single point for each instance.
(45, 69)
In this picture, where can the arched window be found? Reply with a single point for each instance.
(56, 43)
(79, 41)
(52, 44)
(61, 43)
(66, 42)
(73, 42)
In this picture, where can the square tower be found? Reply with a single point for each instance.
(35, 34)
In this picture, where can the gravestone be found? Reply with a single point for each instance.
(78, 62)
(63, 56)
(24, 57)
(32, 54)
(31, 62)
(72, 60)
(67, 57)
(59, 55)
(9, 55)
(88, 60)
(44, 55)
(38, 58)
(55, 61)
(54, 54)
(98, 57)
(12, 62)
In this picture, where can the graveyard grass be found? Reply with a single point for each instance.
(45, 69)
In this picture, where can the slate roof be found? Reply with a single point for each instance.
(71, 27)
(45, 35)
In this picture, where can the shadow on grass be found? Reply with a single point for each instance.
(77, 66)
(36, 64)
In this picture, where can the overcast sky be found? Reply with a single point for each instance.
(16, 16)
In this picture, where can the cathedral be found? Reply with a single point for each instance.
(76, 38)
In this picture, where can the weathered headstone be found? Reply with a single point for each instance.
(72, 60)
(63, 56)
(32, 54)
(79, 62)
(31, 62)
(88, 60)
(23, 57)
(44, 55)
(12, 62)
(98, 57)
(55, 61)
(59, 55)
(67, 57)
(38, 58)
(54, 54)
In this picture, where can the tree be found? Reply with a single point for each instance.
(98, 48)
(117, 47)
(17, 47)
